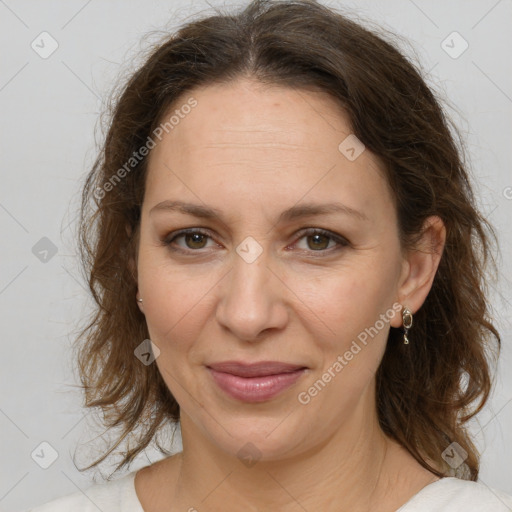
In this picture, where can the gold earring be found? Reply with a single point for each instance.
(407, 322)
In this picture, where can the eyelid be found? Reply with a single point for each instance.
(171, 236)
(167, 240)
(309, 231)
(320, 231)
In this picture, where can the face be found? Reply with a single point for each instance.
(269, 270)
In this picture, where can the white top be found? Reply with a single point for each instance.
(445, 495)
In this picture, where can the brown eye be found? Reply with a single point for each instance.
(318, 242)
(321, 241)
(195, 240)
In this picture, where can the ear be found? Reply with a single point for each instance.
(132, 260)
(420, 266)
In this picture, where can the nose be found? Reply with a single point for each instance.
(252, 300)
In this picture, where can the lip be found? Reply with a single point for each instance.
(254, 382)
(259, 369)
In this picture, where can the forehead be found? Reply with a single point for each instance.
(246, 111)
(244, 140)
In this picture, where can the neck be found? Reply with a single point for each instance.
(351, 471)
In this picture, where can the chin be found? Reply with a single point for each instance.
(254, 438)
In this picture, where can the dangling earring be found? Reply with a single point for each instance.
(407, 322)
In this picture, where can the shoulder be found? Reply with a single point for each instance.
(455, 495)
(111, 496)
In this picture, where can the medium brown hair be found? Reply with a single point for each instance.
(426, 391)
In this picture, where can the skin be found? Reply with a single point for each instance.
(252, 151)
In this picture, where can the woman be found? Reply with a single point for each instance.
(287, 260)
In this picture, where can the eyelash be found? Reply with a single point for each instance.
(342, 242)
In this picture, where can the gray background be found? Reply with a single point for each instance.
(50, 115)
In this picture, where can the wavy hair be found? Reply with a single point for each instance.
(426, 391)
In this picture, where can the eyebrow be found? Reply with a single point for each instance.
(295, 212)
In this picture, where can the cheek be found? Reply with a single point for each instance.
(347, 300)
(350, 303)
(350, 350)
(176, 298)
